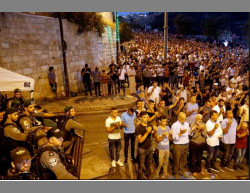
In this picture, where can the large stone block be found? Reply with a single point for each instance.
(6, 59)
(44, 56)
(28, 71)
(17, 59)
(44, 68)
(5, 45)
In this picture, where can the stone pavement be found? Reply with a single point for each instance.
(85, 105)
(96, 164)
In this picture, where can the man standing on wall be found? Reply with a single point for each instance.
(52, 80)
(97, 76)
(86, 79)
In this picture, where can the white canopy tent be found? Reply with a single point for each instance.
(9, 81)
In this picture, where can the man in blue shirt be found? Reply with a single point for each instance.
(129, 118)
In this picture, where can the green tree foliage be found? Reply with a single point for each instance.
(126, 33)
(158, 22)
(184, 24)
(87, 21)
(213, 24)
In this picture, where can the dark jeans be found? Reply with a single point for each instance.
(87, 87)
(97, 86)
(170, 82)
(114, 86)
(121, 85)
(160, 80)
(166, 79)
(126, 79)
(110, 88)
(153, 79)
(195, 153)
(114, 147)
(227, 155)
(130, 136)
(180, 153)
(240, 156)
(53, 86)
(146, 81)
(179, 79)
(211, 157)
(145, 157)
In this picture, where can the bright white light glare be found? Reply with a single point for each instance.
(226, 43)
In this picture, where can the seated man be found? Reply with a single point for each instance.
(21, 164)
(52, 164)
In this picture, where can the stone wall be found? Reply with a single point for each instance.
(30, 44)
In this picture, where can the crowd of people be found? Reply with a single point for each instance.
(193, 102)
(36, 144)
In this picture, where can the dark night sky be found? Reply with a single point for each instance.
(127, 13)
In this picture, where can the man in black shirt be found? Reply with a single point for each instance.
(86, 79)
(145, 153)
(114, 77)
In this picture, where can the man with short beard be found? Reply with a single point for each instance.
(113, 126)
(27, 121)
(17, 96)
(129, 119)
(220, 109)
(144, 132)
(214, 133)
(69, 128)
(228, 126)
(13, 136)
(205, 111)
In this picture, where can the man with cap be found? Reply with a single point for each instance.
(42, 132)
(216, 91)
(15, 136)
(27, 121)
(69, 128)
(12, 136)
(51, 160)
(21, 165)
(17, 96)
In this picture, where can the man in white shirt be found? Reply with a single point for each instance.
(121, 84)
(244, 110)
(180, 132)
(154, 92)
(160, 73)
(231, 72)
(234, 81)
(182, 93)
(228, 126)
(214, 133)
(220, 109)
(113, 127)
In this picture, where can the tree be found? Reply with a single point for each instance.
(158, 22)
(184, 24)
(213, 24)
(125, 31)
(87, 21)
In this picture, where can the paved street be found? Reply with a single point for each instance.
(96, 163)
